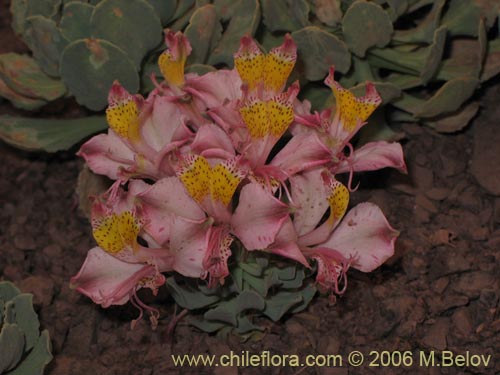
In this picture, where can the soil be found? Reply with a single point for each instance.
(440, 292)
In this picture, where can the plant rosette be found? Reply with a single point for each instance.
(227, 189)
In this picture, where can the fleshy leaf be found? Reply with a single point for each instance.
(285, 15)
(101, 63)
(75, 20)
(203, 32)
(118, 22)
(49, 135)
(318, 50)
(365, 25)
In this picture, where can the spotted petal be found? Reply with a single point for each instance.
(364, 236)
(258, 217)
(110, 281)
(373, 156)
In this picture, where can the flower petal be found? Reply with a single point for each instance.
(286, 246)
(373, 156)
(279, 64)
(110, 281)
(162, 203)
(303, 151)
(173, 59)
(351, 110)
(249, 62)
(258, 217)
(365, 236)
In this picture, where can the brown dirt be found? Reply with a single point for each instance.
(440, 292)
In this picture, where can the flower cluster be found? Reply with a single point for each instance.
(230, 157)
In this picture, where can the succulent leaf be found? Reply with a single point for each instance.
(318, 50)
(101, 63)
(117, 22)
(45, 40)
(49, 135)
(203, 32)
(435, 54)
(18, 100)
(449, 97)
(285, 15)
(45, 8)
(23, 350)
(366, 25)
(328, 11)
(75, 20)
(19, 10)
(23, 75)
(164, 9)
(245, 20)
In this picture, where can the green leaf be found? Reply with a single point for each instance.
(434, 56)
(203, 32)
(318, 50)
(8, 291)
(492, 62)
(101, 63)
(279, 304)
(455, 121)
(189, 297)
(19, 11)
(308, 294)
(377, 129)
(75, 20)
(424, 32)
(317, 95)
(37, 359)
(397, 8)
(245, 20)
(11, 346)
(462, 18)
(366, 25)
(132, 25)
(328, 11)
(165, 9)
(49, 135)
(449, 97)
(26, 318)
(23, 75)
(45, 8)
(228, 311)
(18, 100)
(404, 81)
(45, 40)
(285, 15)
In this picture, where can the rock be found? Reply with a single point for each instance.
(422, 201)
(24, 242)
(471, 284)
(438, 194)
(42, 289)
(484, 164)
(436, 334)
(462, 321)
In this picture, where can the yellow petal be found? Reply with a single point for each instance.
(255, 116)
(116, 232)
(196, 177)
(224, 181)
(279, 64)
(172, 70)
(249, 62)
(338, 201)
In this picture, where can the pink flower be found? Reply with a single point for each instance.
(363, 239)
(141, 140)
(323, 137)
